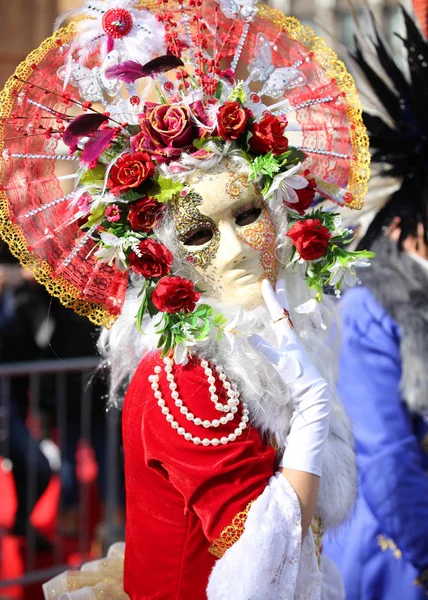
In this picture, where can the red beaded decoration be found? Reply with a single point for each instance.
(117, 22)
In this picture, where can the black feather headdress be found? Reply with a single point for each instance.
(399, 136)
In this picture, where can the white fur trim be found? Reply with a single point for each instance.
(268, 562)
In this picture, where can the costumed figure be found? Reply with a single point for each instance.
(195, 136)
(383, 551)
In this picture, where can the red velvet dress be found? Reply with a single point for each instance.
(181, 496)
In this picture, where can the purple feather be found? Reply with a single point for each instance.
(82, 126)
(97, 144)
(161, 64)
(130, 71)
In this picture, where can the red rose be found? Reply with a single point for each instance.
(151, 259)
(166, 130)
(174, 294)
(129, 172)
(268, 135)
(232, 119)
(144, 214)
(310, 237)
(306, 197)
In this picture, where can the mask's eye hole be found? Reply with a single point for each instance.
(198, 238)
(247, 217)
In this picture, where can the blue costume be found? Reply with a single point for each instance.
(384, 547)
(383, 377)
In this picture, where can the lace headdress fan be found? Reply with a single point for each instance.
(113, 60)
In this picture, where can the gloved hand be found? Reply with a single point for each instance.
(308, 391)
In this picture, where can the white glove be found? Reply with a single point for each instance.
(308, 390)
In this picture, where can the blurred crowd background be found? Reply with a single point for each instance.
(50, 399)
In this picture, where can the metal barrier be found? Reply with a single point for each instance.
(60, 374)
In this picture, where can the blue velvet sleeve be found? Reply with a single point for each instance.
(392, 478)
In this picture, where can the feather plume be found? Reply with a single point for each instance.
(82, 126)
(399, 133)
(130, 70)
(96, 145)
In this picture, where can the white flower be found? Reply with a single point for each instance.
(347, 272)
(284, 186)
(239, 329)
(337, 223)
(114, 249)
(181, 352)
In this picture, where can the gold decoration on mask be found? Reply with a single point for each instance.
(236, 184)
(188, 220)
(261, 235)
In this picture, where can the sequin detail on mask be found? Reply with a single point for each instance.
(236, 185)
(188, 219)
(261, 235)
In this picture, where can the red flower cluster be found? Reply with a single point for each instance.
(152, 259)
(306, 197)
(144, 214)
(310, 238)
(129, 172)
(174, 294)
(268, 135)
(232, 119)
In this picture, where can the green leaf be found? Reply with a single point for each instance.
(219, 320)
(96, 216)
(94, 176)
(202, 310)
(238, 93)
(263, 165)
(141, 311)
(363, 254)
(161, 340)
(168, 343)
(168, 188)
(292, 157)
(267, 184)
(219, 90)
(204, 330)
(150, 306)
(199, 144)
(133, 129)
(131, 196)
(143, 289)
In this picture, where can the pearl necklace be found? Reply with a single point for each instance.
(230, 408)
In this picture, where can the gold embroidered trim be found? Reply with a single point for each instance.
(422, 580)
(10, 232)
(318, 533)
(388, 544)
(230, 534)
(335, 69)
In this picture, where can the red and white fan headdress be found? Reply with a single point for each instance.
(105, 117)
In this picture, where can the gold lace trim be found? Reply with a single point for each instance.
(335, 69)
(318, 533)
(230, 534)
(388, 544)
(233, 532)
(422, 580)
(10, 232)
